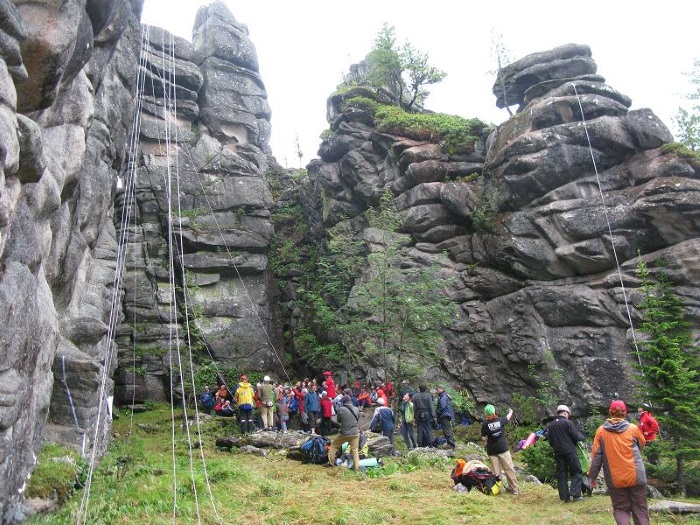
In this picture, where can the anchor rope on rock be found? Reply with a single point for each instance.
(610, 233)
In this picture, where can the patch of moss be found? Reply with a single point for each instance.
(59, 471)
(682, 151)
(455, 134)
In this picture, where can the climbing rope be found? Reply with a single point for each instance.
(610, 233)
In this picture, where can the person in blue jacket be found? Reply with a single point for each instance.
(384, 422)
(445, 415)
(312, 406)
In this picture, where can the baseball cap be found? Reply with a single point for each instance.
(617, 404)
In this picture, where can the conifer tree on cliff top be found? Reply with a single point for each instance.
(402, 70)
(670, 364)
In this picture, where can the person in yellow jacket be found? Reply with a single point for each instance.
(244, 401)
(617, 448)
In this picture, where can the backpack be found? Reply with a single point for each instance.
(315, 450)
(475, 474)
(293, 405)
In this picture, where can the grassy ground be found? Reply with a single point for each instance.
(134, 485)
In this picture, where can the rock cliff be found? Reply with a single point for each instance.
(572, 184)
(103, 291)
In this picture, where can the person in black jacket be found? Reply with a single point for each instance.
(424, 411)
(563, 435)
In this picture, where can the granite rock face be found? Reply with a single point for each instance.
(85, 283)
(201, 208)
(533, 241)
(61, 151)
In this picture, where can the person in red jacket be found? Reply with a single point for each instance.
(326, 415)
(649, 427)
(617, 448)
(330, 384)
(647, 423)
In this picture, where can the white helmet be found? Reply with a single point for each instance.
(563, 408)
(266, 379)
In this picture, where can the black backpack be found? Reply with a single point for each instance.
(315, 450)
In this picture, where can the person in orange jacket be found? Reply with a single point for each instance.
(617, 448)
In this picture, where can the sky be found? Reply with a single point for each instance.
(304, 47)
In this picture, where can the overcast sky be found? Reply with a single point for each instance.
(304, 47)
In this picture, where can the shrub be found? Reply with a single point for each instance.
(540, 462)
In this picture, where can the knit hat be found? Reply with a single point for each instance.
(489, 410)
(618, 404)
(563, 408)
(327, 373)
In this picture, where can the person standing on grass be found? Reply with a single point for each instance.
(407, 419)
(266, 393)
(494, 437)
(244, 401)
(617, 448)
(563, 435)
(349, 420)
(326, 414)
(312, 407)
(424, 410)
(446, 415)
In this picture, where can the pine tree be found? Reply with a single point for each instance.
(670, 364)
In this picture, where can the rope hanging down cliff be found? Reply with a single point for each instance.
(610, 233)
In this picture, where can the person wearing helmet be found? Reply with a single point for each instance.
(563, 435)
(494, 437)
(617, 448)
(266, 393)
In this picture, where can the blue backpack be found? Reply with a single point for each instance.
(315, 450)
(293, 406)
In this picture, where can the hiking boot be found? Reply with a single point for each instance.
(579, 498)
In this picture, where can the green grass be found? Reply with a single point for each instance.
(134, 485)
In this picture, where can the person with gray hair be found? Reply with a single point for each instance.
(563, 435)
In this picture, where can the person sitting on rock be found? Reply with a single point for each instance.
(363, 398)
(206, 400)
(226, 409)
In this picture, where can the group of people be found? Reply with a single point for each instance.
(617, 449)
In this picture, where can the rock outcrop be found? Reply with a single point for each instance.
(196, 282)
(571, 184)
(66, 107)
(72, 80)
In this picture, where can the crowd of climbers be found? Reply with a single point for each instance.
(324, 408)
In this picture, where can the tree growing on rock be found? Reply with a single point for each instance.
(394, 314)
(402, 70)
(670, 364)
(688, 122)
